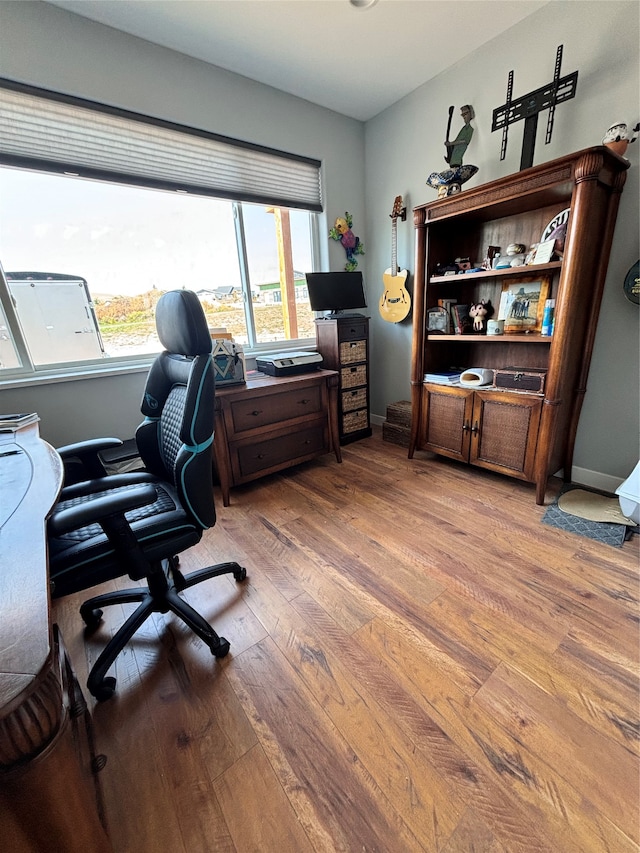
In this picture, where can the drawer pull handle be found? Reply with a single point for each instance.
(256, 412)
(260, 456)
(307, 441)
(354, 369)
(304, 402)
(465, 426)
(474, 428)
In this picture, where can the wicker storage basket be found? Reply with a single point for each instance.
(352, 351)
(353, 421)
(354, 399)
(351, 377)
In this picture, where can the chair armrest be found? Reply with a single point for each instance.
(89, 512)
(88, 452)
(91, 445)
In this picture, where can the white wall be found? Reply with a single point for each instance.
(43, 45)
(46, 46)
(404, 144)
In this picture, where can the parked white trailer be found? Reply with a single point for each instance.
(57, 316)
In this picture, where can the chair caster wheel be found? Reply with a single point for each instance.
(104, 690)
(222, 649)
(240, 574)
(91, 618)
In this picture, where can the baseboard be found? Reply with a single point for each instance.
(378, 420)
(595, 480)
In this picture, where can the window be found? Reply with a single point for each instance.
(128, 245)
(87, 249)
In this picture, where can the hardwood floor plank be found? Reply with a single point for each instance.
(587, 759)
(252, 784)
(332, 791)
(400, 621)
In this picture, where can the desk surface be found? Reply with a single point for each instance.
(30, 479)
(257, 380)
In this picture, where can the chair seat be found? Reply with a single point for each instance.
(85, 556)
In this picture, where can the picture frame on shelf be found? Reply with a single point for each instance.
(438, 320)
(522, 304)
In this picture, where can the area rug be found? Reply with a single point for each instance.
(563, 514)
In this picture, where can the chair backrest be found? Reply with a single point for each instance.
(175, 440)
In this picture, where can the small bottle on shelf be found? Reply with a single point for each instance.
(548, 318)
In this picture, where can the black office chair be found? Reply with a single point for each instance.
(135, 524)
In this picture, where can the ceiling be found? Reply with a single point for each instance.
(356, 61)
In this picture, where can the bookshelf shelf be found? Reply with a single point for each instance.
(512, 272)
(488, 339)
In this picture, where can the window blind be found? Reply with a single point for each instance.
(54, 132)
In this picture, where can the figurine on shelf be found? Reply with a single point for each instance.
(617, 138)
(342, 232)
(456, 149)
(449, 181)
(480, 311)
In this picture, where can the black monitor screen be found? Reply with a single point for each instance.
(335, 291)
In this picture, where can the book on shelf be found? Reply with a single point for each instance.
(444, 377)
(462, 322)
(448, 304)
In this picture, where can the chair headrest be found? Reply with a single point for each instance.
(181, 323)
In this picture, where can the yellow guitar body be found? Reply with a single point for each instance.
(395, 302)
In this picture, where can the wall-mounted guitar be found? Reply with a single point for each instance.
(395, 302)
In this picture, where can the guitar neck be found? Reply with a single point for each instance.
(394, 246)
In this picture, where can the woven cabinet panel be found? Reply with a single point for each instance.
(446, 418)
(351, 351)
(504, 435)
(354, 399)
(350, 377)
(353, 421)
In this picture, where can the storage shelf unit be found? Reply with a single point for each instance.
(343, 343)
(528, 436)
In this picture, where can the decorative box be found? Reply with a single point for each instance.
(529, 379)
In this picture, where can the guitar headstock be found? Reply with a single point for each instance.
(399, 211)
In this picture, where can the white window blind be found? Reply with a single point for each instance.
(46, 130)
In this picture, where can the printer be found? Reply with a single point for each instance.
(288, 363)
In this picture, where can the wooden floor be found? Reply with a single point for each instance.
(417, 663)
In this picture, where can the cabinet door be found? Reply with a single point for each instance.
(504, 432)
(446, 426)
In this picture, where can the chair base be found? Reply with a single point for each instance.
(161, 596)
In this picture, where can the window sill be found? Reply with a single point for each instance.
(48, 377)
(101, 370)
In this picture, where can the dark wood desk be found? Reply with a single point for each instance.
(49, 798)
(271, 423)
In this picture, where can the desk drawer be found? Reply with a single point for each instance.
(278, 452)
(354, 331)
(255, 412)
(352, 351)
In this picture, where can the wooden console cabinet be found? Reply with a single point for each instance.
(271, 423)
(524, 435)
(343, 343)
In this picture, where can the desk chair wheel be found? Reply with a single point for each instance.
(221, 648)
(240, 574)
(91, 617)
(104, 689)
